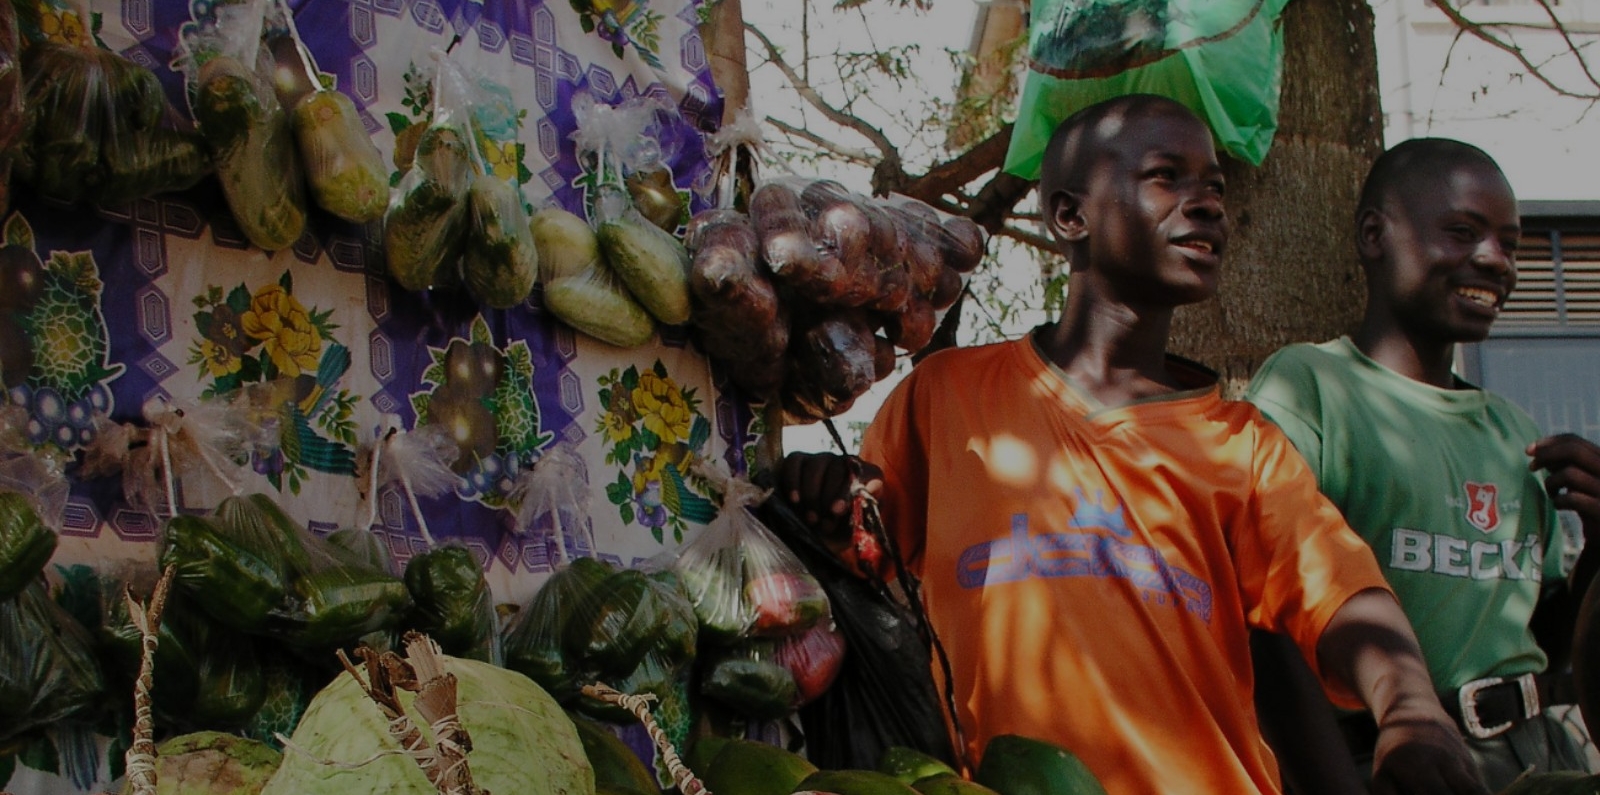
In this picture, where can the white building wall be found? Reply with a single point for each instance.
(1436, 81)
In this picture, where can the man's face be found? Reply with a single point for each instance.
(1153, 211)
(1447, 247)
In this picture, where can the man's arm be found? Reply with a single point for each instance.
(1369, 647)
(1298, 721)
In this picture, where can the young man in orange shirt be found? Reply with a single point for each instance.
(1096, 530)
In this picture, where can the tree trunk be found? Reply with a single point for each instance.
(1291, 274)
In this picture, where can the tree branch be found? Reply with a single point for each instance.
(1027, 238)
(950, 176)
(1481, 33)
(810, 95)
(858, 156)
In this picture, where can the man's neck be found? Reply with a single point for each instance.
(1115, 352)
(1425, 361)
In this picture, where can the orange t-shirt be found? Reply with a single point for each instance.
(1093, 572)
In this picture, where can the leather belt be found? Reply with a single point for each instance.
(1489, 707)
(1483, 708)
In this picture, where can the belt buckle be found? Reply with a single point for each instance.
(1468, 696)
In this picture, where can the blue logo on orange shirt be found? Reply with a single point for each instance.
(1020, 556)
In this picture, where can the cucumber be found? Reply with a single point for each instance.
(652, 263)
(25, 544)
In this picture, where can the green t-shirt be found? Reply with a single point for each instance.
(1437, 482)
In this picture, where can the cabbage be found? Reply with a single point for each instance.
(522, 742)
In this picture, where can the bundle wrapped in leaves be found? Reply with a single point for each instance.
(48, 670)
(207, 676)
(534, 645)
(26, 544)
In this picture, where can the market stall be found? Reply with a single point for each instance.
(350, 319)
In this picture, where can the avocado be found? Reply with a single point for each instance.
(949, 784)
(854, 782)
(748, 767)
(908, 765)
(1014, 765)
(615, 764)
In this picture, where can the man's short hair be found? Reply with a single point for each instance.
(1405, 161)
(1079, 141)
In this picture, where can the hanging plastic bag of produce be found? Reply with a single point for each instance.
(452, 604)
(738, 315)
(501, 262)
(206, 675)
(1221, 58)
(883, 694)
(534, 644)
(93, 128)
(235, 565)
(250, 133)
(424, 228)
(344, 169)
(33, 497)
(48, 670)
(650, 262)
(26, 544)
(742, 581)
(334, 596)
(580, 287)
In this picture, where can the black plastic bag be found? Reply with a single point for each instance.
(884, 695)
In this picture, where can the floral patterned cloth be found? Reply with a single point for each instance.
(165, 300)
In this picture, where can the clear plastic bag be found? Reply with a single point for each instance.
(579, 286)
(48, 670)
(534, 645)
(249, 132)
(424, 229)
(93, 129)
(451, 602)
(737, 312)
(748, 680)
(742, 581)
(501, 262)
(206, 676)
(650, 261)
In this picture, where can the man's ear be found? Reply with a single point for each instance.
(1371, 226)
(1064, 216)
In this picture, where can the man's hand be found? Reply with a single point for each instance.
(1573, 483)
(820, 486)
(1420, 751)
(1369, 647)
(1574, 480)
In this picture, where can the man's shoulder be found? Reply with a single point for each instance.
(1298, 367)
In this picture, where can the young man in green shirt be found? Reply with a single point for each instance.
(1452, 486)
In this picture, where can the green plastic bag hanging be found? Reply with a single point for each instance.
(1221, 58)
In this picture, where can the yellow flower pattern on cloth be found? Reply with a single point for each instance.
(220, 360)
(661, 406)
(276, 318)
(62, 27)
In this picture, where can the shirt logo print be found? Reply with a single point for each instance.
(1096, 549)
(1483, 506)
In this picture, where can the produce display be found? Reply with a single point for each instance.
(804, 298)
